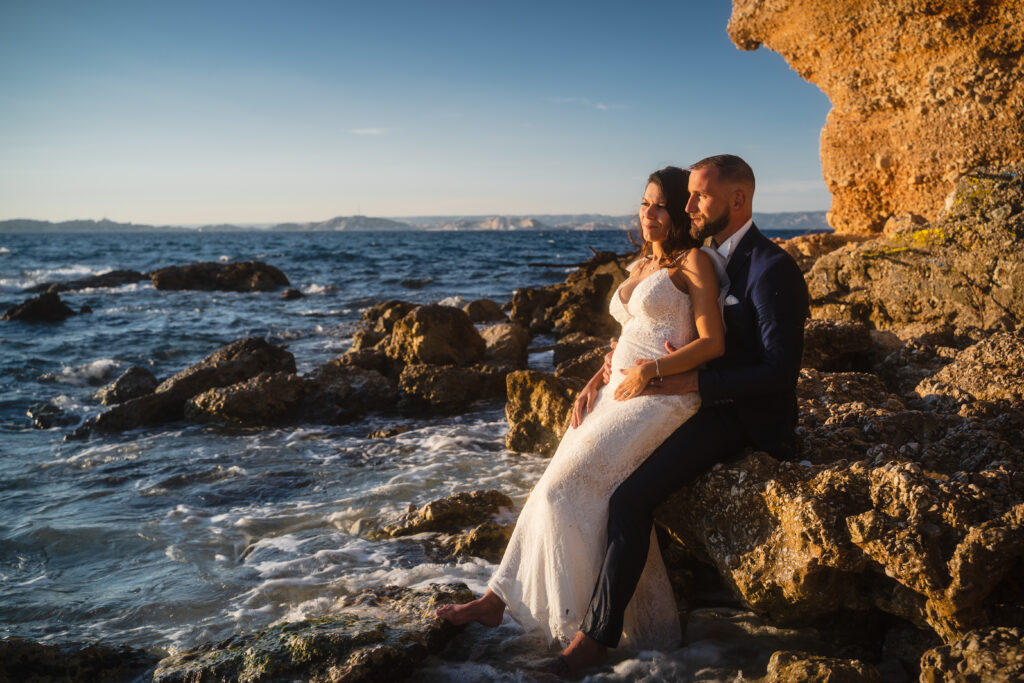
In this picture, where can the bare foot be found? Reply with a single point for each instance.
(487, 610)
(583, 652)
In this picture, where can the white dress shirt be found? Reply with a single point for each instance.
(726, 248)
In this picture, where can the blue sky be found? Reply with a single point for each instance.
(254, 112)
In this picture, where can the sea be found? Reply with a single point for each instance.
(168, 537)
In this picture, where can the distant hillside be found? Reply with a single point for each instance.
(805, 221)
(24, 225)
(346, 223)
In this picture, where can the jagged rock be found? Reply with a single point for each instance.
(387, 432)
(247, 276)
(450, 388)
(134, 382)
(450, 514)
(367, 339)
(383, 316)
(380, 635)
(47, 416)
(988, 371)
(487, 541)
(965, 269)
(579, 370)
(571, 347)
(484, 311)
(25, 660)
(920, 94)
(538, 410)
(264, 400)
(787, 666)
(506, 343)
(837, 346)
(991, 654)
(342, 393)
(807, 249)
(46, 307)
(438, 335)
(236, 362)
(796, 542)
(113, 278)
(580, 304)
(291, 294)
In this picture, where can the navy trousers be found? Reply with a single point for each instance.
(711, 436)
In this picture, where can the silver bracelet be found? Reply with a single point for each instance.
(657, 368)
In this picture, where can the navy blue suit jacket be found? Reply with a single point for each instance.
(764, 331)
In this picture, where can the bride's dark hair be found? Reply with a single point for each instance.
(673, 182)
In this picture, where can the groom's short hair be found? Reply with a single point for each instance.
(730, 167)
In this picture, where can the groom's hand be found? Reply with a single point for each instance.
(606, 370)
(672, 385)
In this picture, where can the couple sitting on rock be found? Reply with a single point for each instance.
(705, 366)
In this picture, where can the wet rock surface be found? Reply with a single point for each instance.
(451, 514)
(796, 667)
(113, 278)
(25, 660)
(134, 382)
(234, 363)
(436, 335)
(247, 276)
(46, 308)
(380, 634)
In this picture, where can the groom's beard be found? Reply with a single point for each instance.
(711, 227)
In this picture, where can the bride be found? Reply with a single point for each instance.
(548, 571)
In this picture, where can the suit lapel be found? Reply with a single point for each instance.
(741, 257)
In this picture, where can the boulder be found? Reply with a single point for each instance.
(113, 278)
(965, 269)
(383, 316)
(807, 249)
(25, 660)
(450, 514)
(580, 304)
(571, 347)
(990, 654)
(449, 388)
(987, 371)
(580, 370)
(269, 398)
(236, 362)
(920, 94)
(538, 409)
(787, 666)
(381, 634)
(438, 335)
(343, 393)
(291, 294)
(484, 311)
(506, 343)
(134, 382)
(47, 416)
(46, 307)
(487, 541)
(247, 276)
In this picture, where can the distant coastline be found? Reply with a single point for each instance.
(804, 221)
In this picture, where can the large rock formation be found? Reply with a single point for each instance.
(43, 308)
(921, 91)
(965, 269)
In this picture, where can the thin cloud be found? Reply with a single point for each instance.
(584, 102)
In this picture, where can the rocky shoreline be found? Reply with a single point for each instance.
(905, 511)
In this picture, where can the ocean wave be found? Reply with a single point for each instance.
(96, 373)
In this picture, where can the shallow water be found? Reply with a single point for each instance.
(167, 537)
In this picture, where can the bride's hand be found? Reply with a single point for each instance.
(584, 404)
(636, 378)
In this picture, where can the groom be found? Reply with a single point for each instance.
(748, 394)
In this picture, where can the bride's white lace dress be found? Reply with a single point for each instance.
(549, 569)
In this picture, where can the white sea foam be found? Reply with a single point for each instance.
(453, 301)
(318, 289)
(4, 251)
(91, 374)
